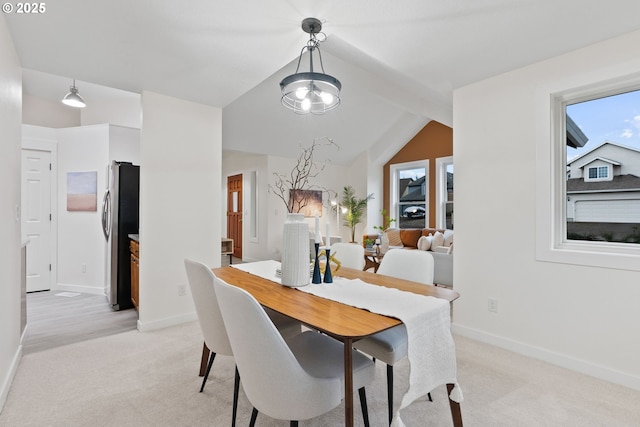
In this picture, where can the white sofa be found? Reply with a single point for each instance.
(440, 246)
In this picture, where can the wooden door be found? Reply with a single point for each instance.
(36, 217)
(234, 213)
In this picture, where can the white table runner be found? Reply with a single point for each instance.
(431, 351)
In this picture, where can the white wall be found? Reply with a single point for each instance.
(42, 112)
(80, 238)
(10, 133)
(334, 178)
(272, 211)
(180, 193)
(123, 110)
(124, 144)
(234, 163)
(582, 317)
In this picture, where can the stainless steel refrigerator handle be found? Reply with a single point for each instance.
(106, 208)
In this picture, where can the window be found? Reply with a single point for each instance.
(582, 220)
(409, 194)
(599, 172)
(605, 205)
(444, 192)
(253, 206)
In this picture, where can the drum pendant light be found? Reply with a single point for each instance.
(311, 92)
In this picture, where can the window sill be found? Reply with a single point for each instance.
(619, 256)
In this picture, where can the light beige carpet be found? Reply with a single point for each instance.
(150, 379)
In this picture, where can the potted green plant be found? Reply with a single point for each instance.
(386, 222)
(355, 209)
(368, 243)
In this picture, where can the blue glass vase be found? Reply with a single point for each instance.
(316, 267)
(328, 278)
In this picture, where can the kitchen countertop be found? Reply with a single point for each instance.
(134, 237)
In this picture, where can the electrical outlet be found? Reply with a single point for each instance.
(492, 305)
(84, 268)
(182, 290)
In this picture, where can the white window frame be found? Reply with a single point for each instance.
(551, 202)
(394, 173)
(598, 177)
(441, 190)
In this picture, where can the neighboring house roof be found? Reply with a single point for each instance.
(619, 183)
(613, 162)
(573, 160)
(414, 191)
(414, 195)
(417, 182)
(575, 137)
(403, 184)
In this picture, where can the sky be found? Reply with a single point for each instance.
(614, 118)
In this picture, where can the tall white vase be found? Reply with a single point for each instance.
(384, 243)
(295, 251)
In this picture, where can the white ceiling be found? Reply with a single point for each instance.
(398, 61)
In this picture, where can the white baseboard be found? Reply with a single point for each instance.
(78, 288)
(166, 322)
(559, 359)
(8, 379)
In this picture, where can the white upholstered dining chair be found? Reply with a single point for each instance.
(350, 255)
(201, 279)
(215, 335)
(291, 380)
(390, 346)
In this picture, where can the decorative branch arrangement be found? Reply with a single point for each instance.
(295, 190)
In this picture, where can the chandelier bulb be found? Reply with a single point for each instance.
(327, 98)
(306, 104)
(301, 92)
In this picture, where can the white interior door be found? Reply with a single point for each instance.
(36, 217)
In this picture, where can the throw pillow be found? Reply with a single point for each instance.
(410, 236)
(394, 236)
(448, 237)
(438, 239)
(424, 243)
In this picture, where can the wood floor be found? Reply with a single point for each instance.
(55, 320)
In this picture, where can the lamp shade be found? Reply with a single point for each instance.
(73, 98)
(310, 92)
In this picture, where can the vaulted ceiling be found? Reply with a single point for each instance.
(399, 62)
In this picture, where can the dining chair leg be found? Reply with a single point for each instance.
(293, 424)
(363, 405)
(236, 388)
(390, 392)
(203, 359)
(254, 415)
(206, 374)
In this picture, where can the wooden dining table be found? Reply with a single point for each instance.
(340, 321)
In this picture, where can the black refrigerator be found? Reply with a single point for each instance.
(120, 217)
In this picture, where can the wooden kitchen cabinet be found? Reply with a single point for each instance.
(135, 282)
